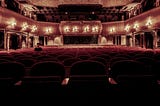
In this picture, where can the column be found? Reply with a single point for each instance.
(8, 42)
(133, 40)
(115, 40)
(155, 39)
(99, 39)
(61, 39)
(44, 41)
(130, 41)
(119, 40)
(27, 41)
(36, 40)
(5, 40)
(123, 40)
(142, 40)
(20, 42)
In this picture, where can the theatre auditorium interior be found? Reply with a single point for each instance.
(73, 48)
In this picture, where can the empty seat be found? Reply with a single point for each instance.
(4, 60)
(156, 73)
(12, 70)
(47, 68)
(88, 77)
(115, 59)
(44, 79)
(148, 62)
(28, 62)
(83, 57)
(70, 61)
(63, 57)
(131, 76)
(11, 75)
(99, 59)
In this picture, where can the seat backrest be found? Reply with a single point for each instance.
(148, 63)
(12, 70)
(88, 67)
(70, 61)
(48, 68)
(83, 57)
(45, 78)
(88, 77)
(99, 59)
(146, 60)
(28, 62)
(115, 59)
(156, 70)
(63, 57)
(129, 71)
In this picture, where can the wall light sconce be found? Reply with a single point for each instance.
(33, 28)
(112, 30)
(75, 29)
(48, 30)
(149, 22)
(11, 23)
(127, 28)
(136, 26)
(24, 26)
(95, 29)
(66, 29)
(86, 28)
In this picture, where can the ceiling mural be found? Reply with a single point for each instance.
(55, 3)
(111, 3)
(48, 3)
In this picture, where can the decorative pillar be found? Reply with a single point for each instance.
(99, 39)
(154, 39)
(8, 41)
(118, 40)
(20, 41)
(27, 41)
(133, 40)
(5, 40)
(130, 41)
(142, 40)
(123, 40)
(36, 40)
(61, 39)
(44, 40)
(115, 40)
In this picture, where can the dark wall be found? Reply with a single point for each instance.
(14, 41)
(80, 39)
(1, 39)
(148, 40)
(41, 40)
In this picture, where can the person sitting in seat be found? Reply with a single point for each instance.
(38, 48)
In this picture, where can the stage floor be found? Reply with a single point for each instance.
(80, 46)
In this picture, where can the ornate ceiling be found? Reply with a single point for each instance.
(55, 3)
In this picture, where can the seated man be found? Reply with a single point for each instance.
(38, 48)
